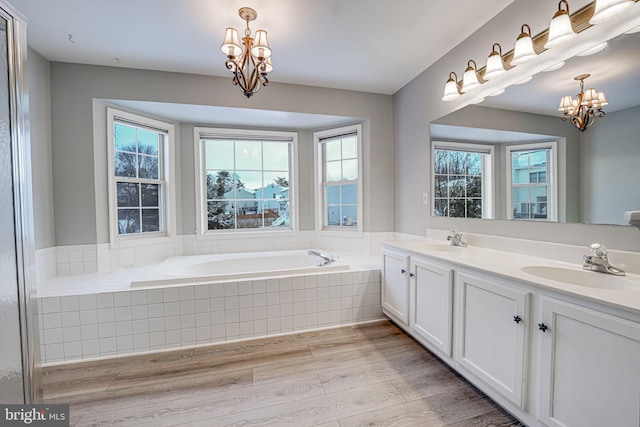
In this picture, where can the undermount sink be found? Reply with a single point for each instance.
(590, 279)
(444, 247)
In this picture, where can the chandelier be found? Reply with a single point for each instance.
(583, 111)
(250, 62)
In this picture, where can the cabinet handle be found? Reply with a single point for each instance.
(542, 327)
(403, 271)
(411, 275)
(517, 319)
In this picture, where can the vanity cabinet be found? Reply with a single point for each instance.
(589, 367)
(431, 303)
(492, 333)
(395, 286)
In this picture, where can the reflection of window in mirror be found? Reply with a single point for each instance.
(531, 179)
(462, 180)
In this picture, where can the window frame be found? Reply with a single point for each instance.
(552, 179)
(319, 170)
(202, 231)
(167, 175)
(488, 180)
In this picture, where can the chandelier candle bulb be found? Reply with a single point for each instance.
(560, 28)
(523, 50)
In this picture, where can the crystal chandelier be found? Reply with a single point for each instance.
(583, 111)
(250, 62)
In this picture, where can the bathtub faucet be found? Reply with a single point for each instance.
(324, 259)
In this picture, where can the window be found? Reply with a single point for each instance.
(339, 201)
(532, 192)
(462, 180)
(245, 180)
(140, 152)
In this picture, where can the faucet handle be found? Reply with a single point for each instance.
(598, 250)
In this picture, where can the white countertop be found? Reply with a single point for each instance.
(509, 265)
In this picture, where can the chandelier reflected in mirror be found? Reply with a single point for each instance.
(583, 111)
(250, 62)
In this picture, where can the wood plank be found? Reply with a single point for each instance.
(190, 407)
(310, 412)
(434, 411)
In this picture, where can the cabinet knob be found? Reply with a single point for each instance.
(542, 327)
(517, 319)
(411, 275)
(403, 271)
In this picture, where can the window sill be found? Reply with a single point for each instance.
(135, 241)
(227, 235)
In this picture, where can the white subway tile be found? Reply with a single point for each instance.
(124, 343)
(231, 303)
(216, 291)
(231, 289)
(139, 312)
(87, 302)
(232, 330)
(259, 313)
(286, 297)
(172, 308)
(156, 325)
(50, 305)
(105, 300)
(122, 313)
(259, 300)
(107, 330)
(72, 350)
(54, 352)
(107, 345)
(138, 297)
(170, 295)
(187, 307)
(187, 321)
(52, 320)
(154, 296)
(89, 332)
(171, 323)
(124, 328)
(52, 336)
(286, 310)
(203, 319)
(188, 336)
(259, 287)
(203, 334)
(69, 303)
(90, 347)
(273, 285)
(186, 293)
(141, 342)
(259, 326)
(70, 318)
(122, 299)
(201, 292)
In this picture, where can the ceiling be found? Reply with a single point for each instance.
(364, 45)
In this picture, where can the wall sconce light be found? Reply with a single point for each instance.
(451, 91)
(470, 79)
(560, 29)
(523, 51)
(607, 9)
(583, 111)
(495, 65)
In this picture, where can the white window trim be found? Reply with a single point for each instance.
(202, 232)
(552, 184)
(487, 183)
(169, 174)
(319, 199)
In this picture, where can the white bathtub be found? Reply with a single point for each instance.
(205, 268)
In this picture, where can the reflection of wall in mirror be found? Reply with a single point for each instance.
(610, 165)
(527, 124)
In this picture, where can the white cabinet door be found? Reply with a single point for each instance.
(431, 311)
(492, 333)
(395, 286)
(590, 367)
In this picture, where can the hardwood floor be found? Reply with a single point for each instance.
(366, 375)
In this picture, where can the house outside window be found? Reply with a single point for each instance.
(532, 181)
(141, 170)
(462, 180)
(338, 182)
(244, 180)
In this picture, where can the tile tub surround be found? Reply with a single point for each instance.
(103, 324)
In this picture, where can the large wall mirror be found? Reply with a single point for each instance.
(511, 156)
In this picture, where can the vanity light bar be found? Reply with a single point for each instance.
(580, 22)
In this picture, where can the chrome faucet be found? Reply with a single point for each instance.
(324, 259)
(598, 261)
(456, 239)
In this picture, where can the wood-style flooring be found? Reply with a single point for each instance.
(366, 375)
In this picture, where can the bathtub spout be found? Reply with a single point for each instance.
(324, 259)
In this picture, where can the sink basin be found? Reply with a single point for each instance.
(443, 247)
(590, 279)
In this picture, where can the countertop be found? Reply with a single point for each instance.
(510, 266)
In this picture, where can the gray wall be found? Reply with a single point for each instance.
(419, 103)
(611, 167)
(80, 206)
(40, 123)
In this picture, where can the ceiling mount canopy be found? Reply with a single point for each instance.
(250, 62)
